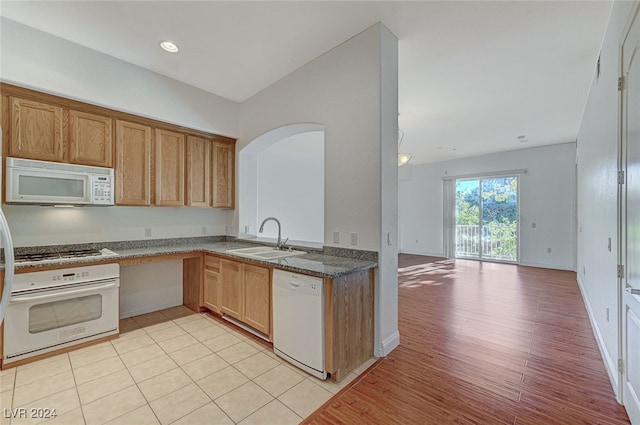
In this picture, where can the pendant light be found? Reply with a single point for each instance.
(403, 158)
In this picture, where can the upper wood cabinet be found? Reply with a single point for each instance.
(222, 187)
(155, 163)
(36, 130)
(169, 167)
(133, 163)
(198, 172)
(90, 139)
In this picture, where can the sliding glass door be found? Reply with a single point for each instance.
(486, 222)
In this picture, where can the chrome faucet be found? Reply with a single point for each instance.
(279, 244)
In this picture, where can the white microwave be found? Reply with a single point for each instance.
(54, 183)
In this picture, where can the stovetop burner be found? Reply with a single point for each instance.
(38, 256)
(80, 253)
(52, 256)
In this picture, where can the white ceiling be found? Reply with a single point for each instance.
(474, 75)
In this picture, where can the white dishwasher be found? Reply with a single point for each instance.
(298, 321)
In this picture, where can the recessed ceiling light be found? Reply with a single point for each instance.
(169, 46)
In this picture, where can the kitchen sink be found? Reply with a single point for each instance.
(264, 252)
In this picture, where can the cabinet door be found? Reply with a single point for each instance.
(212, 290)
(90, 139)
(169, 166)
(36, 131)
(257, 298)
(231, 288)
(198, 172)
(223, 175)
(133, 164)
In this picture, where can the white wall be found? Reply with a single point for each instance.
(352, 91)
(37, 60)
(34, 225)
(150, 287)
(547, 198)
(291, 187)
(597, 193)
(34, 59)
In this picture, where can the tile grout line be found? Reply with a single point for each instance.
(137, 325)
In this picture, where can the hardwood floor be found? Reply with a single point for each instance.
(483, 343)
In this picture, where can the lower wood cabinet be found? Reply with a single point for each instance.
(211, 288)
(231, 288)
(256, 307)
(239, 290)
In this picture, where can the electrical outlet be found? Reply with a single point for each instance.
(533, 225)
(354, 238)
(247, 228)
(203, 230)
(416, 241)
(389, 240)
(336, 237)
(147, 232)
(549, 250)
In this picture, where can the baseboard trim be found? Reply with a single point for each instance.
(546, 266)
(149, 309)
(428, 254)
(610, 365)
(388, 345)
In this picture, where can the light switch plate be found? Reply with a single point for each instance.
(354, 238)
(336, 237)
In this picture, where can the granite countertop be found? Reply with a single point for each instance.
(315, 262)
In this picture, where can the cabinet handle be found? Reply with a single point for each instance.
(633, 291)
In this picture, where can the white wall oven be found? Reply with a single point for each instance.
(54, 309)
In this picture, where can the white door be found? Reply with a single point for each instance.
(630, 222)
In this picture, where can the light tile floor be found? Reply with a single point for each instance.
(168, 367)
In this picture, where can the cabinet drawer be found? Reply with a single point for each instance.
(212, 263)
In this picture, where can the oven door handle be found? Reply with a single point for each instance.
(61, 293)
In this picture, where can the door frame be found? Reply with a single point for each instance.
(485, 176)
(622, 212)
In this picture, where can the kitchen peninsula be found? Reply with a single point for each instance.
(348, 285)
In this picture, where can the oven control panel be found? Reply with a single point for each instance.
(51, 278)
(70, 277)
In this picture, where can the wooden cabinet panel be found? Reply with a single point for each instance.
(231, 288)
(212, 290)
(198, 172)
(257, 298)
(169, 166)
(36, 131)
(133, 163)
(212, 283)
(222, 187)
(90, 139)
(349, 314)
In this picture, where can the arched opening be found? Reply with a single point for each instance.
(282, 175)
